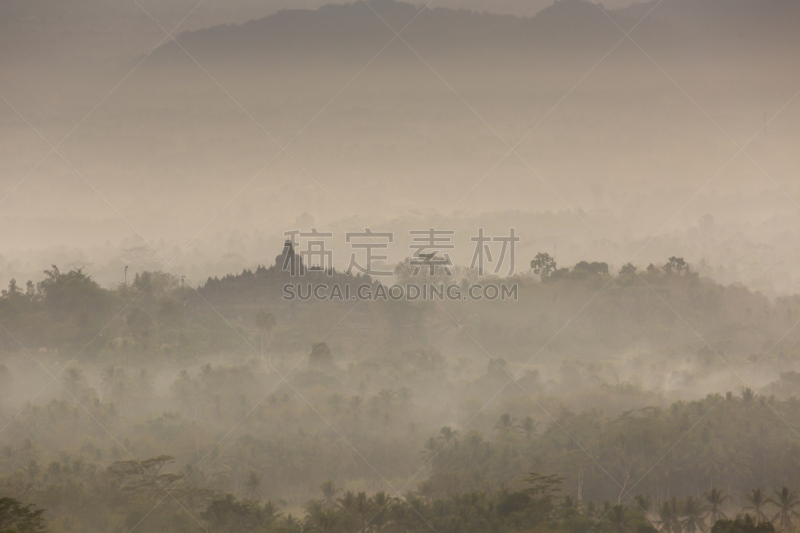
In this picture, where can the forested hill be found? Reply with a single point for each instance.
(665, 309)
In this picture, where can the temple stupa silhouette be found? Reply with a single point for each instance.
(289, 261)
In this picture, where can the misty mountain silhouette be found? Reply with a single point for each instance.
(703, 29)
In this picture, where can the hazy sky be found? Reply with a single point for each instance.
(623, 148)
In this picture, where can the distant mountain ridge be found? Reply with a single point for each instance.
(338, 32)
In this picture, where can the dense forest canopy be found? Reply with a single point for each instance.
(225, 407)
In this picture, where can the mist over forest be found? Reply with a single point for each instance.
(210, 224)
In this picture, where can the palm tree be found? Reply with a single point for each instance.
(757, 500)
(290, 524)
(506, 424)
(668, 517)
(348, 501)
(323, 521)
(786, 500)
(446, 434)
(251, 484)
(329, 491)
(362, 509)
(430, 449)
(694, 513)
(380, 504)
(591, 510)
(569, 506)
(403, 516)
(748, 395)
(267, 515)
(426, 490)
(716, 498)
(644, 502)
(265, 321)
(619, 519)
